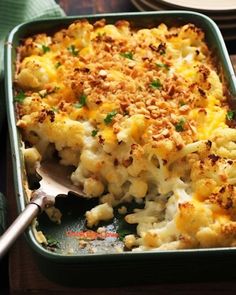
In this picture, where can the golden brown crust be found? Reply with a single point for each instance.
(142, 115)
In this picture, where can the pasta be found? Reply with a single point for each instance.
(142, 115)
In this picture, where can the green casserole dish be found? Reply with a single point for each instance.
(113, 268)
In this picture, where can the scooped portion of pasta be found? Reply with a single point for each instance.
(142, 115)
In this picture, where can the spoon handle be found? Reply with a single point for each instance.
(24, 219)
(17, 227)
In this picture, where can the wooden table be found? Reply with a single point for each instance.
(24, 275)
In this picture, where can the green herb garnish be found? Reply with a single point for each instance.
(101, 34)
(53, 242)
(182, 103)
(230, 115)
(57, 65)
(122, 233)
(94, 132)
(110, 117)
(179, 127)
(82, 102)
(156, 84)
(124, 229)
(72, 49)
(55, 110)
(45, 48)
(56, 88)
(165, 66)
(20, 97)
(128, 55)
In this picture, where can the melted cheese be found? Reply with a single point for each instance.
(141, 115)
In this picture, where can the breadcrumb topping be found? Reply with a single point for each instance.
(142, 115)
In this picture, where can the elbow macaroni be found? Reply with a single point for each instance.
(142, 115)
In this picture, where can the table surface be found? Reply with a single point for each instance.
(24, 276)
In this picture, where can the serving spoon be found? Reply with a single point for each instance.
(55, 181)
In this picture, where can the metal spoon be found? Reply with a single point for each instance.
(55, 181)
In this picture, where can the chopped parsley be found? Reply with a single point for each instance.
(230, 115)
(45, 48)
(179, 127)
(124, 229)
(20, 97)
(156, 84)
(128, 55)
(72, 49)
(57, 65)
(55, 89)
(53, 242)
(182, 103)
(110, 117)
(55, 110)
(123, 232)
(94, 132)
(161, 65)
(82, 102)
(101, 34)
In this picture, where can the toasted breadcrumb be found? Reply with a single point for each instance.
(142, 115)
